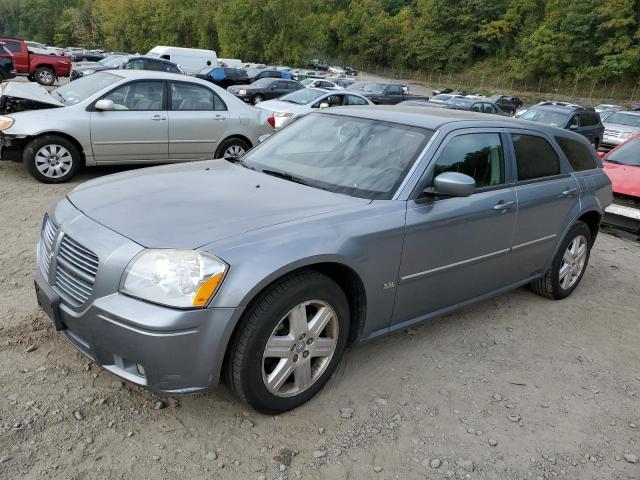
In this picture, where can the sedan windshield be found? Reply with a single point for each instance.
(303, 96)
(547, 117)
(354, 156)
(84, 87)
(263, 82)
(374, 87)
(626, 154)
(628, 119)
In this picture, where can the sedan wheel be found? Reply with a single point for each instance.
(53, 161)
(257, 99)
(573, 262)
(51, 158)
(289, 342)
(300, 348)
(234, 151)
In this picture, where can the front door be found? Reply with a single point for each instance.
(457, 248)
(198, 120)
(137, 130)
(547, 201)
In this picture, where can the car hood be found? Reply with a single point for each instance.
(625, 179)
(620, 128)
(17, 97)
(97, 67)
(191, 205)
(280, 106)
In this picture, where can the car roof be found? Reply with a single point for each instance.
(152, 75)
(560, 108)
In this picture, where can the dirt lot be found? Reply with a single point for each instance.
(514, 388)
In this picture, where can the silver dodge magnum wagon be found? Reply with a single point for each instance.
(346, 225)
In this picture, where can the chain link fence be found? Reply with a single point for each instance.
(585, 92)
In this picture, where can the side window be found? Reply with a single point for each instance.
(166, 57)
(535, 158)
(334, 100)
(291, 85)
(138, 96)
(353, 100)
(13, 47)
(580, 156)
(476, 107)
(188, 97)
(574, 121)
(488, 108)
(479, 155)
(395, 90)
(274, 74)
(137, 64)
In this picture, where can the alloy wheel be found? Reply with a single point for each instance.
(300, 348)
(53, 161)
(234, 151)
(46, 77)
(573, 262)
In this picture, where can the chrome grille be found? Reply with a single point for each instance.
(49, 232)
(76, 268)
(612, 133)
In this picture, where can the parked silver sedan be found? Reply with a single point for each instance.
(294, 105)
(123, 117)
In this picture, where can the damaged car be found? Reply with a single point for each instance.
(123, 117)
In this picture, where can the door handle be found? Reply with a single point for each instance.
(504, 206)
(220, 118)
(158, 118)
(569, 192)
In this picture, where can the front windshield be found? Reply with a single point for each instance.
(354, 156)
(205, 71)
(112, 61)
(302, 96)
(554, 119)
(374, 87)
(307, 81)
(627, 119)
(84, 87)
(627, 154)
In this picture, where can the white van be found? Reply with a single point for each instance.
(231, 62)
(192, 60)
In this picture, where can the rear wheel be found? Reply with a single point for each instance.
(568, 266)
(290, 342)
(232, 148)
(45, 76)
(257, 99)
(51, 159)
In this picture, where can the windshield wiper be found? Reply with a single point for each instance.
(613, 161)
(59, 96)
(286, 176)
(239, 161)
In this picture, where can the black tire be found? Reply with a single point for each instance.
(230, 143)
(596, 143)
(244, 365)
(32, 149)
(45, 76)
(549, 286)
(257, 99)
(1, 76)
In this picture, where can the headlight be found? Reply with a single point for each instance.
(88, 72)
(242, 92)
(283, 114)
(177, 278)
(6, 122)
(624, 135)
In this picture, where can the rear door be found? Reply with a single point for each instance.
(548, 197)
(137, 130)
(590, 127)
(198, 120)
(393, 94)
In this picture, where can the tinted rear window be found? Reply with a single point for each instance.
(580, 156)
(535, 158)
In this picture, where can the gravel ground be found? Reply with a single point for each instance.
(517, 387)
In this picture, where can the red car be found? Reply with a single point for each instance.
(44, 69)
(622, 165)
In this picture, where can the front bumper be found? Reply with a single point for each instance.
(11, 148)
(164, 349)
(611, 142)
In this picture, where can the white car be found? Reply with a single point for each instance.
(296, 104)
(38, 48)
(337, 70)
(320, 83)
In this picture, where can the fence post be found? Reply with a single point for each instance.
(482, 82)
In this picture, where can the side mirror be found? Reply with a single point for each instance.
(573, 127)
(454, 184)
(104, 105)
(324, 105)
(262, 138)
(601, 154)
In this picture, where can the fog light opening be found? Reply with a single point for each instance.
(141, 371)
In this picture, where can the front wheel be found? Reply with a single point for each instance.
(257, 99)
(51, 159)
(45, 76)
(290, 342)
(568, 266)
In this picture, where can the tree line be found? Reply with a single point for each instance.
(525, 39)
